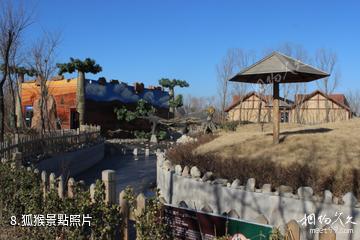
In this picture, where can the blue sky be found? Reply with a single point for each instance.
(147, 40)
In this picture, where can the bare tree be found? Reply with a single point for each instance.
(298, 52)
(225, 70)
(326, 60)
(193, 104)
(12, 23)
(242, 59)
(353, 97)
(234, 61)
(296, 90)
(300, 90)
(43, 61)
(263, 91)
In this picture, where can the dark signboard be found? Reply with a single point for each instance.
(188, 224)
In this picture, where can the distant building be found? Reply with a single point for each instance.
(101, 98)
(308, 109)
(254, 107)
(315, 107)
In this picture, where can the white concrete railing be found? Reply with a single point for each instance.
(182, 185)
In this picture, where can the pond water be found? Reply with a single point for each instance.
(138, 172)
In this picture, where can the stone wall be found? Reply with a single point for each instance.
(185, 186)
(73, 163)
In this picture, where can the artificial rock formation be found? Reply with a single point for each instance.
(49, 114)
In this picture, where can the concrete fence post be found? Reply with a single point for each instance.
(327, 233)
(124, 210)
(71, 187)
(44, 182)
(140, 207)
(92, 192)
(140, 203)
(109, 179)
(52, 181)
(293, 230)
(78, 140)
(61, 187)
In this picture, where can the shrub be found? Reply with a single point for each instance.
(267, 171)
(150, 223)
(229, 125)
(21, 193)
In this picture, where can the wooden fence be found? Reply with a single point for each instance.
(35, 146)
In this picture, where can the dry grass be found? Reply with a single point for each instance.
(324, 156)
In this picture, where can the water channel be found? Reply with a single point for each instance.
(139, 172)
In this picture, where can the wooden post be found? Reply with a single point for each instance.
(61, 187)
(124, 210)
(327, 233)
(276, 113)
(109, 179)
(293, 230)
(71, 188)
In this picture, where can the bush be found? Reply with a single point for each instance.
(267, 171)
(21, 193)
(161, 135)
(142, 135)
(229, 125)
(150, 223)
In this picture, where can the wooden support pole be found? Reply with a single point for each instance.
(276, 113)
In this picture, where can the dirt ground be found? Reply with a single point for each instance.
(323, 156)
(328, 146)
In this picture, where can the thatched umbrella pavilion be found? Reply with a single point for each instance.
(274, 69)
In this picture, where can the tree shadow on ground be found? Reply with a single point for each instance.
(306, 131)
(285, 134)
